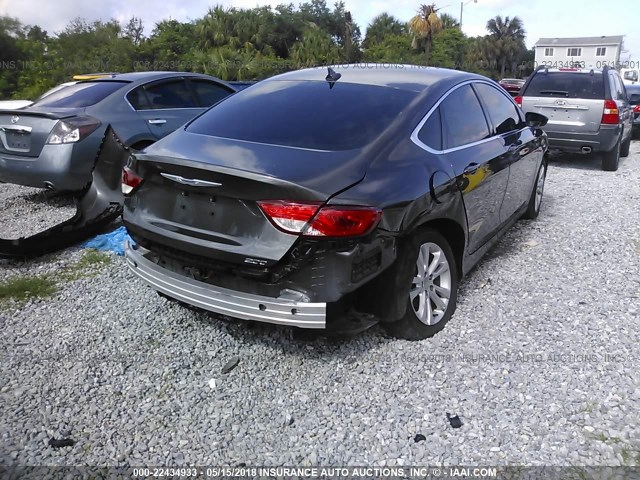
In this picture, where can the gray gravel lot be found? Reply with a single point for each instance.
(540, 361)
(27, 211)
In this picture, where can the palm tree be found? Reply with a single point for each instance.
(381, 27)
(449, 21)
(423, 26)
(506, 40)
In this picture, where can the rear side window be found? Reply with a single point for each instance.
(502, 112)
(209, 93)
(464, 121)
(173, 94)
(617, 90)
(138, 99)
(305, 114)
(566, 85)
(82, 94)
(431, 132)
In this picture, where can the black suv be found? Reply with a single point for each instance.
(588, 110)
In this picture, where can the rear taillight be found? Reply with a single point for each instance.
(518, 100)
(130, 181)
(610, 114)
(312, 220)
(72, 130)
(636, 109)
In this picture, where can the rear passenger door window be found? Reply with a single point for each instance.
(138, 99)
(463, 119)
(620, 91)
(208, 93)
(172, 94)
(431, 132)
(502, 112)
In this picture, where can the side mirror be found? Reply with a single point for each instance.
(634, 99)
(535, 120)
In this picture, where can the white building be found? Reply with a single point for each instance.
(588, 52)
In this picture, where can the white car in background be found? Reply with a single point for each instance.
(16, 104)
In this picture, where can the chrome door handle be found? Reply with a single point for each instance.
(157, 121)
(471, 168)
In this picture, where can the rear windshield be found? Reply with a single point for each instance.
(305, 114)
(566, 84)
(82, 94)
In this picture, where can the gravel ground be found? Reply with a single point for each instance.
(27, 211)
(540, 361)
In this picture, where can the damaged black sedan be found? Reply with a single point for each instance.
(313, 199)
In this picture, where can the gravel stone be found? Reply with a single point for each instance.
(26, 211)
(540, 359)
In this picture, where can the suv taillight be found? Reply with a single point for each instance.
(312, 220)
(130, 181)
(610, 114)
(636, 109)
(518, 100)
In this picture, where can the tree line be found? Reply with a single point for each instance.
(251, 44)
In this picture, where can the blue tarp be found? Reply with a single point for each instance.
(111, 242)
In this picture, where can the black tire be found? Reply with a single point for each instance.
(624, 148)
(409, 326)
(611, 160)
(533, 209)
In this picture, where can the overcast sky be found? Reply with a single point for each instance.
(542, 18)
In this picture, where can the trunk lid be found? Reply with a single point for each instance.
(25, 132)
(200, 194)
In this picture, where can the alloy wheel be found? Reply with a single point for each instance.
(431, 287)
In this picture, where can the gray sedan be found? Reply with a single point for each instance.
(54, 142)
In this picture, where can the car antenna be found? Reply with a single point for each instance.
(332, 77)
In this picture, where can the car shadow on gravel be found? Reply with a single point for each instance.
(592, 161)
(291, 340)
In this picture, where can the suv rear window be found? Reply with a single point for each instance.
(82, 94)
(566, 84)
(305, 114)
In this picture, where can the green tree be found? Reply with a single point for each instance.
(449, 21)
(394, 49)
(449, 49)
(382, 27)
(506, 42)
(12, 54)
(315, 48)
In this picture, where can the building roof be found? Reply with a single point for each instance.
(580, 41)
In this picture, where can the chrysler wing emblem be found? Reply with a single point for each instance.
(192, 182)
(15, 119)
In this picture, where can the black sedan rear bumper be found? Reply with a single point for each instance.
(297, 291)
